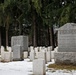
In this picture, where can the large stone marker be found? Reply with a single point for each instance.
(17, 52)
(66, 44)
(20, 40)
(67, 38)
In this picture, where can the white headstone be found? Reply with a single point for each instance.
(31, 48)
(36, 54)
(9, 49)
(36, 49)
(2, 53)
(0, 58)
(40, 48)
(25, 54)
(11, 56)
(52, 54)
(32, 55)
(48, 56)
(42, 55)
(49, 48)
(56, 49)
(2, 49)
(39, 67)
(7, 56)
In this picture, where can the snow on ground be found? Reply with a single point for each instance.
(26, 68)
(16, 68)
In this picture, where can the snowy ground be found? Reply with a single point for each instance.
(26, 68)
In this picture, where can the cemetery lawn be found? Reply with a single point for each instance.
(61, 66)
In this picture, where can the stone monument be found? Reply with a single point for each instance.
(20, 40)
(66, 44)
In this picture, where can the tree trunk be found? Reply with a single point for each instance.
(6, 37)
(3, 36)
(0, 39)
(34, 31)
(52, 37)
(49, 36)
(56, 37)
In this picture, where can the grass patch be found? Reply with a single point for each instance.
(4, 61)
(67, 67)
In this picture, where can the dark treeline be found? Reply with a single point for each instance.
(35, 18)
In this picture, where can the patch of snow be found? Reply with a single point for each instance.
(16, 68)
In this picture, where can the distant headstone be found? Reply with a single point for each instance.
(32, 55)
(20, 40)
(40, 48)
(36, 49)
(49, 48)
(11, 56)
(17, 52)
(42, 55)
(39, 67)
(31, 48)
(7, 56)
(52, 54)
(2, 53)
(66, 44)
(0, 58)
(36, 54)
(25, 54)
(9, 49)
(48, 56)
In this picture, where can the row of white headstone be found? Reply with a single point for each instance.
(42, 52)
(40, 56)
(34, 53)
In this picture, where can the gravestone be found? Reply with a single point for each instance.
(56, 49)
(39, 67)
(66, 44)
(20, 40)
(48, 56)
(52, 54)
(67, 38)
(49, 48)
(9, 49)
(7, 56)
(17, 52)
(42, 55)
(2, 53)
(32, 55)
(31, 48)
(40, 48)
(25, 54)
(36, 49)
(36, 54)
(0, 58)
